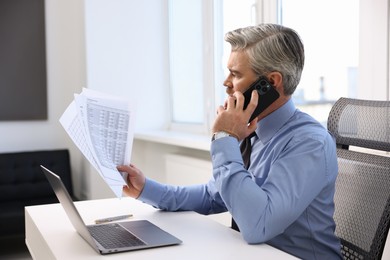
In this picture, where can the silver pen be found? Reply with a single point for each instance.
(111, 219)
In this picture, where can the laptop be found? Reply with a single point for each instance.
(110, 237)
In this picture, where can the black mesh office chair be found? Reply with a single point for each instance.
(362, 197)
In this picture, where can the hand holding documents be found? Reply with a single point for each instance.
(102, 127)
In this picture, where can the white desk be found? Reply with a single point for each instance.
(50, 235)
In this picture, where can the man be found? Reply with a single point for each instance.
(285, 197)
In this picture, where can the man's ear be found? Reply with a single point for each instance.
(276, 79)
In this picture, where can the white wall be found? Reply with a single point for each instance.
(127, 55)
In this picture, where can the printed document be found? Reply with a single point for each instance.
(102, 127)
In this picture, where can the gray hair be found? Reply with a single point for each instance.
(271, 47)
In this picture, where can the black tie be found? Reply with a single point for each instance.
(246, 149)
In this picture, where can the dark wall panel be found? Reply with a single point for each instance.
(23, 90)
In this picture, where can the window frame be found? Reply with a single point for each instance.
(208, 76)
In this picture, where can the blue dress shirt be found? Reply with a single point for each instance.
(285, 198)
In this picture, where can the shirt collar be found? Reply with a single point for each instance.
(268, 126)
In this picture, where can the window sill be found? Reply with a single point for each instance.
(175, 138)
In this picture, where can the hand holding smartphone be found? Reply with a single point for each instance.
(267, 95)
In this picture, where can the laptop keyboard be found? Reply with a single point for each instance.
(112, 236)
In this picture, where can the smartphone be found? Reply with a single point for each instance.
(267, 95)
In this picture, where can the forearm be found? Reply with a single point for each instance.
(180, 198)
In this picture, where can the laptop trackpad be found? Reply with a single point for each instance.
(149, 233)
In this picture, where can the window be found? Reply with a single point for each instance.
(186, 60)
(331, 40)
(335, 35)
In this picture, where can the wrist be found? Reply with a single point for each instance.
(222, 134)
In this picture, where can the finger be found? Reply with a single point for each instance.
(255, 97)
(126, 190)
(231, 102)
(220, 109)
(225, 104)
(239, 100)
(123, 168)
(253, 102)
(129, 169)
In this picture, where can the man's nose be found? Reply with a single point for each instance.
(227, 82)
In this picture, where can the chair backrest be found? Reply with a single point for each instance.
(362, 197)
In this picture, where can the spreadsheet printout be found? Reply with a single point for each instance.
(102, 127)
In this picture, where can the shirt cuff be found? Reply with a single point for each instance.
(225, 150)
(152, 192)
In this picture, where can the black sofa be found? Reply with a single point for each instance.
(22, 183)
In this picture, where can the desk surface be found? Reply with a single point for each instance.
(50, 235)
